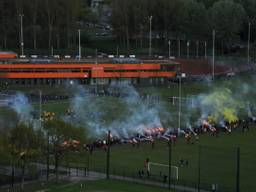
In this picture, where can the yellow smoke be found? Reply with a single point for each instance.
(219, 105)
(229, 115)
(212, 119)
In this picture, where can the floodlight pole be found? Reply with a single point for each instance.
(79, 43)
(117, 51)
(238, 171)
(169, 45)
(249, 39)
(199, 169)
(181, 75)
(188, 44)
(213, 54)
(88, 162)
(48, 157)
(205, 49)
(40, 108)
(179, 48)
(108, 155)
(12, 161)
(96, 62)
(150, 35)
(197, 49)
(52, 51)
(21, 34)
(170, 164)
(179, 103)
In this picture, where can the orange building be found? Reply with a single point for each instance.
(105, 72)
(7, 55)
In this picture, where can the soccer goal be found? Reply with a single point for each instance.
(163, 169)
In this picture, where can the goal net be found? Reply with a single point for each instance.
(163, 169)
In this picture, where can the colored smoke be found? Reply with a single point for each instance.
(21, 105)
(219, 105)
(127, 115)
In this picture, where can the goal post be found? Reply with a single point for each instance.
(163, 169)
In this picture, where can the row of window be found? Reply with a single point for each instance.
(73, 71)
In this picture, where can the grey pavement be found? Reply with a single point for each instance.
(76, 175)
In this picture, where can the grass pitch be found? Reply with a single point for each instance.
(216, 158)
(107, 186)
(91, 186)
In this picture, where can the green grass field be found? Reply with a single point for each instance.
(91, 186)
(215, 160)
(107, 186)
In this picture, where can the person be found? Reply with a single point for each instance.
(165, 178)
(140, 174)
(138, 144)
(196, 138)
(104, 146)
(146, 165)
(134, 141)
(217, 131)
(153, 143)
(181, 162)
(247, 125)
(187, 138)
(186, 163)
(173, 138)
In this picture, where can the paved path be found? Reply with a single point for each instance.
(76, 175)
(146, 182)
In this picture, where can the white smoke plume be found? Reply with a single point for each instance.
(124, 116)
(23, 108)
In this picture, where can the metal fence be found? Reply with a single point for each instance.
(200, 168)
(203, 168)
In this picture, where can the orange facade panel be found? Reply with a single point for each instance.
(81, 66)
(138, 67)
(80, 70)
(24, 75)
(7, 55)
(102, 74)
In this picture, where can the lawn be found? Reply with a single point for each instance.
(91, 186)
(217, 160)
(107, 186)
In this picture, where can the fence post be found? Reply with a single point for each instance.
(108, 155)
(13, 174)
(238, 170)
(170, 165)
(199, 168)
(88, 163)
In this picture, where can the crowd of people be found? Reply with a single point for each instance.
(214, 129)
(190, 135)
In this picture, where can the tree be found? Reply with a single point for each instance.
(250, 7)
(33, 9)
(194, 21)
(62, 136)
(227, 18)
(24, 146)
(207, 3)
